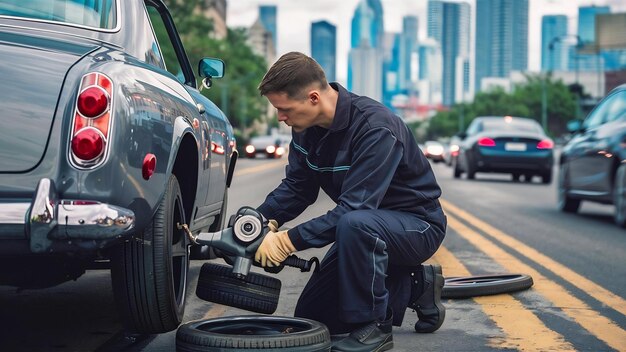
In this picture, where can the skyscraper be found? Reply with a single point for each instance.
(408, 46)
(587, 34)
(587, 22)
(449, 25)
(365, 59)
(555, 58)
(367, 24)
(324, 47)
(267, 14)
(501, 38)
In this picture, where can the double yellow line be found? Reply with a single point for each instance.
(523, 328)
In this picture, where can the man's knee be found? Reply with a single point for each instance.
(354, 223)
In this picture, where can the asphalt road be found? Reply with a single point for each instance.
(495, 226)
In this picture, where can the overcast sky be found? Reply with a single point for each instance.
(295, 17)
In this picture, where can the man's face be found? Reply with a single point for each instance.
(300, 114)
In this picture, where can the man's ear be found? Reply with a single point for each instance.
(314, 97)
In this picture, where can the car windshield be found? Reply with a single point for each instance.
(89, 13)
(511, 125)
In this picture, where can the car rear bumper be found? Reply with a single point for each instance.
(496, 161)
(52, 224)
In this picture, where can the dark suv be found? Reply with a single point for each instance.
(593, 163)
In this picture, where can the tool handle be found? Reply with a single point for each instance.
(302, 264)
(293, 261)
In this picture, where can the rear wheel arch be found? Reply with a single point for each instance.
(186, 171)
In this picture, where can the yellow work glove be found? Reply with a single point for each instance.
(272, 225)
(274, 249)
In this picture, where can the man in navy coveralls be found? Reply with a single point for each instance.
(387, 220)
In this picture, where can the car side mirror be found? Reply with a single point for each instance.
(575, 126)
(210, 68)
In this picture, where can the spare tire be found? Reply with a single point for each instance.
(256, 292)
(253, 333)
(470, 286)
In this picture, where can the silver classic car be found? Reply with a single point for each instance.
(107, 151)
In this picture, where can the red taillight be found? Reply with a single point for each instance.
(486, 142)
(92, 102)
(92, 120)
(148, 166)
(88, 144)
(545, 144)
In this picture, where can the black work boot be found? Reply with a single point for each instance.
(373, 337)
(426, 298)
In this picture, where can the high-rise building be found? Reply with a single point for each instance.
(501, 38)
(267, 15)
(367, 24)
(587, 35)
(408, 44)
(391, 64)
(587, 22)
(554, 31)
(366, 38)
(430, 71)
(324, 47)
(216, 11)
(449, 26)
(367, 69)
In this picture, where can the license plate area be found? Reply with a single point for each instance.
(515, 147)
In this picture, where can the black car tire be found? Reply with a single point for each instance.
(149, 272)
(546, 177)
(565, 202)
(257, 292)
(455, 167)
(471, 170)
(516, 177)
(619, 196)
(484, 285)
(253, 333)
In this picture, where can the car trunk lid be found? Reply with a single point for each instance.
(33, 69)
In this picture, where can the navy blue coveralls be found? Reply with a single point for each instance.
(387, 220)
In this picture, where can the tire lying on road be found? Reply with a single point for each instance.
(257, 292)
(253, 333)
(484, 285)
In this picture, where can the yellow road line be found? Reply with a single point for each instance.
(601, 327)
(258, 168)
(524, 330)
(596, 291)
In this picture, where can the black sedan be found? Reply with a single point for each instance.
(513, 145)
(593, 164)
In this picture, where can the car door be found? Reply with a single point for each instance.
(590, 161)
(176, 63)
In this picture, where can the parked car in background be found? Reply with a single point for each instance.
(272, 147)
(105, 149)
(451, 150)
(434, 150)
(592, 165)
(505, 144)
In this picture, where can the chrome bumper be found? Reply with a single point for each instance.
(48, 220)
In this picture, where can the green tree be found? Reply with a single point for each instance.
(236, 94)
(524, 101)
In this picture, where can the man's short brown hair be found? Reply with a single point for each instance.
(291, 74)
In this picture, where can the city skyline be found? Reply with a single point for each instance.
(294, 18)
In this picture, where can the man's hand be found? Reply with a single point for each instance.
(274, 249)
